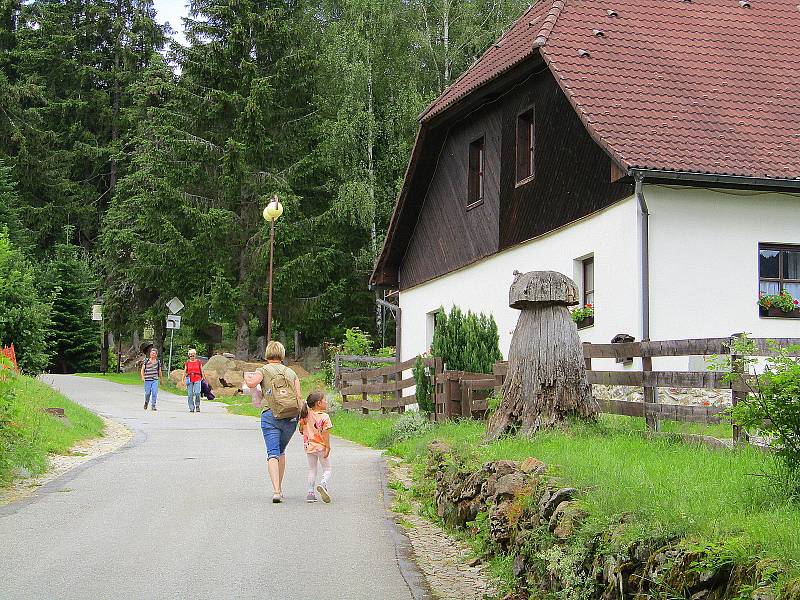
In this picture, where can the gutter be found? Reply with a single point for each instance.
(645, 254)
(745, 180)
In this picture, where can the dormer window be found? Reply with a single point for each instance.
(475, 175)
(525, 141)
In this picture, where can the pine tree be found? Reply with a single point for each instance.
(74, 337)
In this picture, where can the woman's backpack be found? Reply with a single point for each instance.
(279, 393)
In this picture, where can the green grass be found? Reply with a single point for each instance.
(673, 488)
(134, 378)
(30, 434)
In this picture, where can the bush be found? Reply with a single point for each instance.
(466, 342)
(772, 405)
(424, 393)
(410, 424)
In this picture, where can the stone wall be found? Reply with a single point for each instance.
(681, 396)
(522, 511)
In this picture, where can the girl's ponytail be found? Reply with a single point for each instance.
(311, 402)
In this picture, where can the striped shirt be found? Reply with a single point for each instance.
(151, 369)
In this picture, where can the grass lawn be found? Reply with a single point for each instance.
(672, 487)
(29, 434)
(133, 378)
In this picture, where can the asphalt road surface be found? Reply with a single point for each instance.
(184, 511)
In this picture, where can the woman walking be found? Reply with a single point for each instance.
(194, 375)
(152, 372)
(279, 411)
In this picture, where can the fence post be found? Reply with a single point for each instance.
(737, 366)
(587, 361)
(649, 395)
(384, 396)
(364, 395)
(466, 398)
(337, 372)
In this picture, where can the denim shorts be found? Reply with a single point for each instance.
(277, 433)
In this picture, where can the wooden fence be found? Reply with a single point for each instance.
(379, 388)
(462, 394)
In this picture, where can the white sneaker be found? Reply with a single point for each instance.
(323, 493)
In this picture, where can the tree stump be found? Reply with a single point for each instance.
(546, 380)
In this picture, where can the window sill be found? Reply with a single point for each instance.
(776, 313)
(585, 323)
(525, 181)
(474, 205)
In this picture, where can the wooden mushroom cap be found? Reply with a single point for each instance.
(542, 288)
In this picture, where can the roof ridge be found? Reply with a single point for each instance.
(549, 23)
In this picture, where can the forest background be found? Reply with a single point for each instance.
(134, 168)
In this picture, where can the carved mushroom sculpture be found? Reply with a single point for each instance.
(546, 380)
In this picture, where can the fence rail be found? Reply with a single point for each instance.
(386, 381)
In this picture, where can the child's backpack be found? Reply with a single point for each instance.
(280, 394)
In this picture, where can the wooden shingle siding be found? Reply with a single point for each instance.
(448, 235)
(571, 171)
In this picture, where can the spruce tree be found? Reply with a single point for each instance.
(74, 337)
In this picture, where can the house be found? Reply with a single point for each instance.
(649, 149)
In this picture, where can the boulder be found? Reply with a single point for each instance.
(219, 363)
(566, 518)
(509, 485)
(177, 377)
(232, 379)
(227, 391)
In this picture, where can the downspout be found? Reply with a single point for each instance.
(645, 255)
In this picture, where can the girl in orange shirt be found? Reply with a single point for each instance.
(315, 425)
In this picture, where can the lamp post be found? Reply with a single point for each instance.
(272, 211)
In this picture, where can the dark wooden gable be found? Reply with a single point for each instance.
(572, 178)
(448, 234)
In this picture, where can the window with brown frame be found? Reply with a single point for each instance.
(476, 164)
(779, 269)
(588, 281)
(525, 142)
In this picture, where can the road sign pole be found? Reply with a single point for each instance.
(169, 363)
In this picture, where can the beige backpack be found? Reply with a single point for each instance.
(279, 393)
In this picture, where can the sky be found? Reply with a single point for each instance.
(172, 11)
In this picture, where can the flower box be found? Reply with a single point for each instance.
(777, 312)
(586, 322)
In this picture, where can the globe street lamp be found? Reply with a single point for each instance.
(272, 211)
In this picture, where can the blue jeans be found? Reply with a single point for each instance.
(151, 391)
(277, 433)
(193, 391)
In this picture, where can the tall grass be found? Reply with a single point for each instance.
(670, 487)
(31, 434)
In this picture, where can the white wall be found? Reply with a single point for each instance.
(704, 260)
(703, 271)
(612, 236)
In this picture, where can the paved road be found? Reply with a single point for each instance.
(184, 511)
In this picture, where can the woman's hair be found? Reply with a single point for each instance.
(191, 350)
(312, 400)
(275, 351)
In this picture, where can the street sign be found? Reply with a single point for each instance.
(97, 312)
(173, 322)
(175, 306)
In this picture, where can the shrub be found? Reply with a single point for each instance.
(424, 393)
(410, 424)
(772, 405)
(466, 342)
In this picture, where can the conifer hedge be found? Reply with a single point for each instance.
(466, 342)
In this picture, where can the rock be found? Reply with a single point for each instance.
(178, 378)
(503, 467)
(474, 562)
(228, 355)
(509, 485)
(499, 523)
(566, 518)
(227, 391)
(519, 566)
(232, 379)
(219, 363)
(532, 465)
(551, 500)
(56, 412)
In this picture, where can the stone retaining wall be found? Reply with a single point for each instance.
(525, 513)
(681, 396)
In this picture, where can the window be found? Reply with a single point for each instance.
(476, 164)
(588, 281)
(525, 145)
(779, 269)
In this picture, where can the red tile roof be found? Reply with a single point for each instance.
(694, 86)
